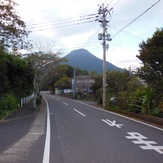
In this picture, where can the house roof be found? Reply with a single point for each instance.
(81, 77)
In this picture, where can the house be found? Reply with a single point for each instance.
(83, 83)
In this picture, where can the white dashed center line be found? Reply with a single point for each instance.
(80, 112)
(65, 103)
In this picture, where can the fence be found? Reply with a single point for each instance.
(24, 100)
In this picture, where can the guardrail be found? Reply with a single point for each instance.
(25, 100)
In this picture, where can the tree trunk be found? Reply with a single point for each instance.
(34, 99)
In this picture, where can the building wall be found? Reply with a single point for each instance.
(84, 83)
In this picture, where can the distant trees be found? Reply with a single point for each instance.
(16, 75)
(63, 83)
(12, 29)
(16, 81)
(117, 81)
(97, 87)
(151, 55)
(60, 76)
(123, 89)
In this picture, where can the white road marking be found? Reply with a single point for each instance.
(112, 124)
(58, 99)
(65, 103)
(46, 155)
(80, 112)
(161, 129)
(146, 145)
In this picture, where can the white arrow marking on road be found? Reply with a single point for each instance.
(112, 124)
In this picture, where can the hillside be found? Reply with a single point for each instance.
(84, 60)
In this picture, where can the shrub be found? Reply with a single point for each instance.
(8, 104)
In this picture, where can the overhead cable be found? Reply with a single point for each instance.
(71, 21)
(136, 18)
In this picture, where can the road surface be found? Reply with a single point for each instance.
(70, 131)
(82, 133)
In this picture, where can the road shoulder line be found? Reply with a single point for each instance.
(46, 155)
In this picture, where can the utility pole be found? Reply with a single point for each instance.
(104, 36)
(74, 84)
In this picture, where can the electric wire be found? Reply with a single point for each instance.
(114, 36)
(63, 23)
(136, 18)
(63, 20)
(91, 37)
(61, 26)
(66, 22)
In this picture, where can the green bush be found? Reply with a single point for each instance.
(155, 112)
(8, 104)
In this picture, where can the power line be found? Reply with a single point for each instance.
(60, 20)
(136, 18)
(61, 26)
(64, 22)
(90, 38)
(116, 3)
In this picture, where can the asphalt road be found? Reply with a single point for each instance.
(80, 133)
(22, 136)
(70, 131)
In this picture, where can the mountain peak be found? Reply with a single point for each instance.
(80, 53)
(85, 60)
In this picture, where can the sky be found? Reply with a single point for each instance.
(67, 25)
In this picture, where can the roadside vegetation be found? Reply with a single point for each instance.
(16, 82)
(139, 91)
(16, 75)
(20, 76)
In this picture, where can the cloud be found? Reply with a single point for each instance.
(123, 57)
(124, 46)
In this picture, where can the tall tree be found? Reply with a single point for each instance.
(64, 83)
(42, 63)
(12, 29)
(151, 55)
(117, 81)
(16, 75)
